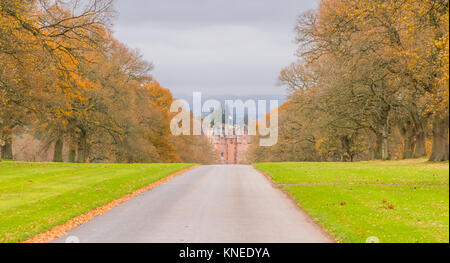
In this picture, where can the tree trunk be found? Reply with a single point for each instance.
(439, 150)
(57, 154)
(345, 144)
(82, 147)
(408, 147)
(378, 146)
(418, 130)
(421, 149)
(7, 152)
(72, 154)
(406, 130)
(385, 142)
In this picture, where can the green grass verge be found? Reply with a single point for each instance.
(34, 197)
(396, 201)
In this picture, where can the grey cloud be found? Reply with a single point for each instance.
(211, 11)
(218, 47)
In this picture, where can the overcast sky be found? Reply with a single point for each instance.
(213, 46)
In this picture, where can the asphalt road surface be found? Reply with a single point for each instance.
(218, 203)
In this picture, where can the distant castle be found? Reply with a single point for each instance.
(231, 149)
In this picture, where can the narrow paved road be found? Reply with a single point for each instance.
(219, 203)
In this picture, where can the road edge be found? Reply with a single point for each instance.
(60, 230)
(316, 223)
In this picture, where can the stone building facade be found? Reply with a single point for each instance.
(231, 149)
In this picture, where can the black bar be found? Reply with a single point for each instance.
(242, 253)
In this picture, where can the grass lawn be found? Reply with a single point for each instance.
(34, 197)
(396, 201)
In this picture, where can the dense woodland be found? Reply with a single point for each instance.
(370, 82)
(66, 81)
